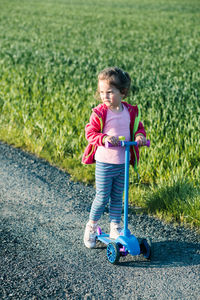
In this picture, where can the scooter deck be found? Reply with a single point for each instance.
(104, 238)
(129, 244)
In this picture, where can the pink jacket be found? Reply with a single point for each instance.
(95, 135)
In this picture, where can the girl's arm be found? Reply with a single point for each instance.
(93, 131)
(140, 135)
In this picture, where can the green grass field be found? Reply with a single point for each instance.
(50, 55)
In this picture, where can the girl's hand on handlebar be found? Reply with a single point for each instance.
(112, 139)
(141, 140)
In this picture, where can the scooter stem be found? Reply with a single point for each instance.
(126, 188)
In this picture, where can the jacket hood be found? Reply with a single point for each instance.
(102, 108)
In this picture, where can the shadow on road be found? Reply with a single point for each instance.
(167, 253)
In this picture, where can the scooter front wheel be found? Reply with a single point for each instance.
(113, 253)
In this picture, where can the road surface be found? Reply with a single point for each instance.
(42, 220)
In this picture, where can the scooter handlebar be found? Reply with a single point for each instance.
(124, 143)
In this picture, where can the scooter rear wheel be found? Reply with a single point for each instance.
(145, 248)
(113, 253)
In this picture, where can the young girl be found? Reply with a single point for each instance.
(109, 120)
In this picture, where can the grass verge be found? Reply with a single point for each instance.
(51, 53)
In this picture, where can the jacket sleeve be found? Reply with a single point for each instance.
(140, 130)
(93, 131)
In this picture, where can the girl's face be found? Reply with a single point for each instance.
(110, 95)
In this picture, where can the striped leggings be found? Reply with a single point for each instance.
(109, 186)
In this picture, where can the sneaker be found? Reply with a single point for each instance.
(115, 230)
(90, 235)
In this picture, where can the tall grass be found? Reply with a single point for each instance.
(50, 55)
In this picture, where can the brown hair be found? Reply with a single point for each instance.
(117, 77)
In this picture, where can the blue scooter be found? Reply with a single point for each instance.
(126, 243)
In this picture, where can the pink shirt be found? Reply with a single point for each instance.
(116, 124)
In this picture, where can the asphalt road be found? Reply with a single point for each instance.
(42, 220)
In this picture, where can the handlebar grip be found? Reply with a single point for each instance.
(148, 143)
(109, 145)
